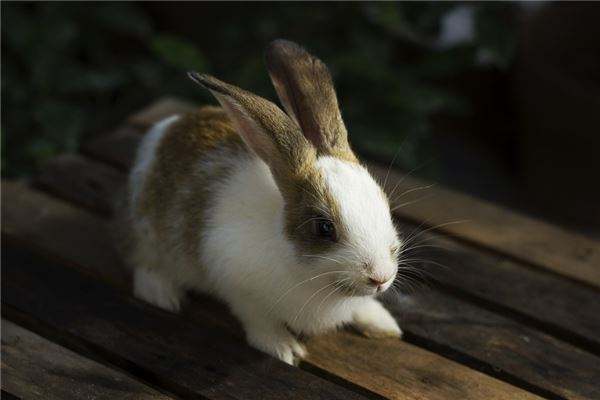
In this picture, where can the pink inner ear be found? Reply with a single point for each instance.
(285, 100)
(295, 104)
(249, 130)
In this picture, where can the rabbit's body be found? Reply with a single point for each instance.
(218, 207)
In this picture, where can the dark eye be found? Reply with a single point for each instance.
(325, 228)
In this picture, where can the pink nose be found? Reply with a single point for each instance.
(378, 281)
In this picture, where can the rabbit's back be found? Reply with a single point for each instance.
(180, 164)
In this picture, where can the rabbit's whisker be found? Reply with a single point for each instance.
(323, 257)
(413, 190)
(407, 175)
(338, 286)
(300, 284)
(309, 299)
(410, 202)
(435, 227)
(306, 222)
(387, 174)
(433, 246)
(424, 261)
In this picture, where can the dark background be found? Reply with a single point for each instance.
(501, 100)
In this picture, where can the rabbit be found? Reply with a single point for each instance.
(271, 213)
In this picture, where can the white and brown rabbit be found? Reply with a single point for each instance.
(271, 213)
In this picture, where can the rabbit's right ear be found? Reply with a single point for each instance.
(305, 88)
(264, 127)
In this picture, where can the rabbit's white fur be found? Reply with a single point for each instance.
(246, 260)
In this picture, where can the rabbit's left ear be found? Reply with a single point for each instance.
(265, 129)
(305, 88)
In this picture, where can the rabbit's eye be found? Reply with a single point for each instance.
(325, 229)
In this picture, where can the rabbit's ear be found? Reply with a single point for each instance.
(263, 126)
(305, 88)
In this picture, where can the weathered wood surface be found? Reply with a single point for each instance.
(36, 368)
(381, 367)
(57, 228)
(92, 183)
(400, 383)
(563, 307)
(486, 224)
(570, 311)
(115, 148)
(500, 346)
(185, 359)
(504, 231)
(487, 337)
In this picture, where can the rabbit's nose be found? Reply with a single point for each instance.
(378, 282)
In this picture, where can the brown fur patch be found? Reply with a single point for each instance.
(305, 88)
(175, 190)
(311, 199)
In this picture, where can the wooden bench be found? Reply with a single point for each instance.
(516, 313)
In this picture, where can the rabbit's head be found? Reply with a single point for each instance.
(337, 217)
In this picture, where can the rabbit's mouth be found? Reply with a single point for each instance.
(362, 287)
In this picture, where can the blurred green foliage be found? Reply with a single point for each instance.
(73, 69)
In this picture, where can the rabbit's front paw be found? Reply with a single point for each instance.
(150, 287)
(278, 342)
(374, 321)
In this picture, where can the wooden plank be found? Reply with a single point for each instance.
(400, 382)
(500, 346)
(563, 307)
(574, 311)
(87, 182)
(492, 226)
(183, 358)
(378, 363)
(489, 225)
(35, 368)
(30, 217)
(115, 148)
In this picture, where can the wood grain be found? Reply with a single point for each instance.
(89, 183)
(492, 226)
(35, 368)
(498, 345)
(560, 306)
(33, 217)
(400, 383)
(115, 148)
(378, 364)
(190, 361)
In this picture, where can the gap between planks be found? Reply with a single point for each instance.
(35, 368)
